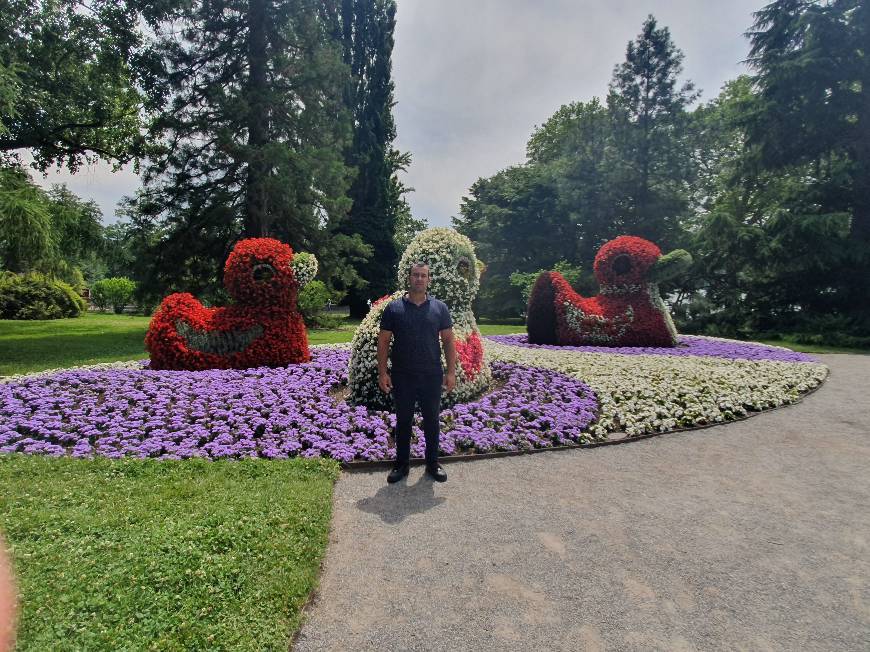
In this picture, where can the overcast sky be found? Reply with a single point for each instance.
(474, 77)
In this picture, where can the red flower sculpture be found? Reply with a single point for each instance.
(628, 311)
(262, 327)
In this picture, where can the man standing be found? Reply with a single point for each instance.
(414, 323)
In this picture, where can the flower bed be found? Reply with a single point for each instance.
(688, 346)
(271, 413)
(544, 396)
(646, 390)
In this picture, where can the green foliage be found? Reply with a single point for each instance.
(53, 232)
(514, 220)
(116, 292)
(813, 125)
(813, 77)
(594, 171)
(581, 281)
(651, 164)
(766, 253)
(313, 298)
(67, 80)
(33, 296)
(26, 236)
(147, 554)
(252, 130)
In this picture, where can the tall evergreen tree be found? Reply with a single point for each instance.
(376, 194)
(650, 159)
(575, 145)
(813, 80)
(253, 131)
(813, 77)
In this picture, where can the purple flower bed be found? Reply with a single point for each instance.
(271, 413)
(690, 345)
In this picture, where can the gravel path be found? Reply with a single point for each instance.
(749, 536)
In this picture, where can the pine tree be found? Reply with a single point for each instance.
(813, 82)
(813, 77)
(650, 161)
(252, 134)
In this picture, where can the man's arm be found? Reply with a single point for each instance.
(384, 380)
(447, 341)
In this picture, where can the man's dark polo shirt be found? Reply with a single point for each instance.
(416, 348)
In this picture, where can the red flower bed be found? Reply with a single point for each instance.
(262, 327)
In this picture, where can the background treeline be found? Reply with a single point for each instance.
(246, 118)
(274, 118)
(767, 185)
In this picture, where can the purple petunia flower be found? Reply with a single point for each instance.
(272, 413)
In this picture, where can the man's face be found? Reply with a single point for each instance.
(419, 279)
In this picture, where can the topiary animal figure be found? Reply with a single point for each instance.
(628, 311)
(262, 328)
(455, 273)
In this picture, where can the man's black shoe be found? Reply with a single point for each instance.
(438, 474)
(397, 474)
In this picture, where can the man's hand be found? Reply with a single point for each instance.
(384, 380)
(449, 382)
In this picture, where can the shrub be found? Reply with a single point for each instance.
(116, 292)
(34, 296)
(99, 297)
(313, 298)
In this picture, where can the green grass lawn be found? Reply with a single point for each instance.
(28, 346)
(142, 555)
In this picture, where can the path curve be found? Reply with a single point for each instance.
(751, 535)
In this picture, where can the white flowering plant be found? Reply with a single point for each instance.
(455, 278)
(304, 267)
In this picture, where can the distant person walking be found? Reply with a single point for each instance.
(414, 323)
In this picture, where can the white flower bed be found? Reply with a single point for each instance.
(641, 394)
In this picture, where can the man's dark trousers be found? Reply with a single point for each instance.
(408, 389)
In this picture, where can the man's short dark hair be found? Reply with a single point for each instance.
(419, 263)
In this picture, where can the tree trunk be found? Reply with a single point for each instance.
(257, 218)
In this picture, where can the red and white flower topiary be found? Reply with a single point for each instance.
(455, 273)
(262, 327)
(628, 311)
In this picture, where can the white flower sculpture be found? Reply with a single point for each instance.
(455, 273)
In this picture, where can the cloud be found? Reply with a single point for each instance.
(473, 79)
